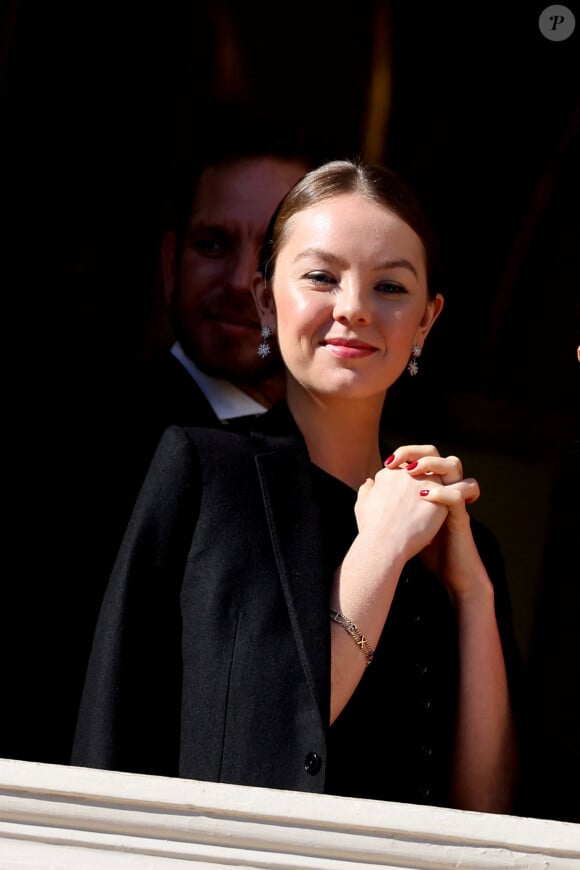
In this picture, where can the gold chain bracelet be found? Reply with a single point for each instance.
(356, 635)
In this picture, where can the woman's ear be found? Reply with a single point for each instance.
(432, 311)
(264, 301)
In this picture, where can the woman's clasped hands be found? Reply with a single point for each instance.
(418, 502)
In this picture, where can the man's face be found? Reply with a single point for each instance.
(212, 307)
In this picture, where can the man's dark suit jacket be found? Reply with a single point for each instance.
(212, 653)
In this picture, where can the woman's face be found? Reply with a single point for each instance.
(349, 297)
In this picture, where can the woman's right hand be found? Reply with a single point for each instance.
(395, 523)
(390, 511)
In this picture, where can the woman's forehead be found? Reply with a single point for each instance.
(349, 219)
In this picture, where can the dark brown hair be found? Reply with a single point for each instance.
(372, 181)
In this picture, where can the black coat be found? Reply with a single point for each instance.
(212, 654)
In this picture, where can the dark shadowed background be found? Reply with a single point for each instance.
(471, 103)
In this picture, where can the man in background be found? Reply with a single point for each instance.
(238, 168)
(209, 255)
(211, 374)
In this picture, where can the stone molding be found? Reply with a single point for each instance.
(55, 817)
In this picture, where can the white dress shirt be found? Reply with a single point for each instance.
(226, 400)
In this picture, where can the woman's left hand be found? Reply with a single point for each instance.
(452, 554)
(485, 746)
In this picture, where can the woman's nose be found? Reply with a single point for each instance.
(352, 304)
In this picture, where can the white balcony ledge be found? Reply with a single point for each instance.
(68, 817)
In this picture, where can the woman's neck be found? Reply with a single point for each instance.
(342, 436)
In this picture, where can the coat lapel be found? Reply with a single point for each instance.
(293, 519)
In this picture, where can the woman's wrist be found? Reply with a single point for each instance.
(476, 594)
(385, 554)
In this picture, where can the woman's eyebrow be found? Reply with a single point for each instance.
(401, 263)
(321, 254)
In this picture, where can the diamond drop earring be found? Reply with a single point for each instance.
(413, 367)
(264, 346)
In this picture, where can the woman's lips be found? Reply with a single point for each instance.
(349, 348)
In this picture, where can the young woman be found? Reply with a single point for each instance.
(297, 607)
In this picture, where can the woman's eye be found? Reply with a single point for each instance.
(320, 278)
(390, 288)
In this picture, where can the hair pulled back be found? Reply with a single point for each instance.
(374, 182)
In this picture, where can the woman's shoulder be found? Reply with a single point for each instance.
(274, 430)
(181, 447)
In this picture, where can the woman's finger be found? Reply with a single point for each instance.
(463, 492)
(449, 468)
(420, 459)
(409, 453)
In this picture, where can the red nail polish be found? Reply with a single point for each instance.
(423, 492)
(390, 459)
(411, 465)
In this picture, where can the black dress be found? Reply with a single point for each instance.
(211, 659)
(406, 700)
